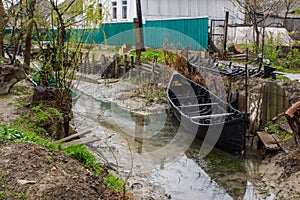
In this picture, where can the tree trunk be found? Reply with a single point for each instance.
(3, 17)
(27, 51)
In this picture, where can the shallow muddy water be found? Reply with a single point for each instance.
(160, 160)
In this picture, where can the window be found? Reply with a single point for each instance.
(124, 9)
(114, 10)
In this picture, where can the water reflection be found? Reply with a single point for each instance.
(226, 170)
(186, 175)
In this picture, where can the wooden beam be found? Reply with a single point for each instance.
(270, 141)
(197, 105)
(72, 137)
(208, 116)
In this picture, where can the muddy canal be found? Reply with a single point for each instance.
(160, 160)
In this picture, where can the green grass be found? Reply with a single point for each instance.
(113, 183)
(38, 115)
(283, 78)
(83, 155)
(149, 54)
(2, 195)
(286, 70)
(1, 177)
(18, 135)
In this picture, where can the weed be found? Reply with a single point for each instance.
(2, 195)
(283, 78)
(150, 92)
(22, 196)
(38, 107)
(43, 116)
(14, 194)
(113, 183)
(33, 120)
(283, 135)
(9, 187)
(49, 159)
(148, 55)
(16, 134)
(1, 177)
(83, 155)
(55, 112)
(273, 128)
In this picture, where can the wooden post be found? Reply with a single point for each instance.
(225, 35)
(153, 69)
(246, 83)
(140, 23)
(125, 65)
(116, 67)
(131, 66)
(94, 65)
(138, 44)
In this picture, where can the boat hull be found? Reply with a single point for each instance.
(225, 132)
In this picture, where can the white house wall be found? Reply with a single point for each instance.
(164, 9)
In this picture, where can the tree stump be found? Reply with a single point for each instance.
(10, 75)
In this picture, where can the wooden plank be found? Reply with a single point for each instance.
(269, 141)
(286, 127)
(197, 105)
(208, 116)
(74, 136)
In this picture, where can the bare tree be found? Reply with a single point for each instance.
(288, 4)
(251, 9)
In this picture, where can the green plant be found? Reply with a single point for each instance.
(283, 135)
(43, 116)
(14, 194)
(22, 196)
(113, 183)
(150, 92)
(38, 107)
(9, 187)
(149, 54)
(273, 128)
(83, 155)
(1, 177)
(2, 195)
(270, 50)
(32, 121)
(292, 59)
(55, 112)
(283, 78)
(16, 134)
(49, 159)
